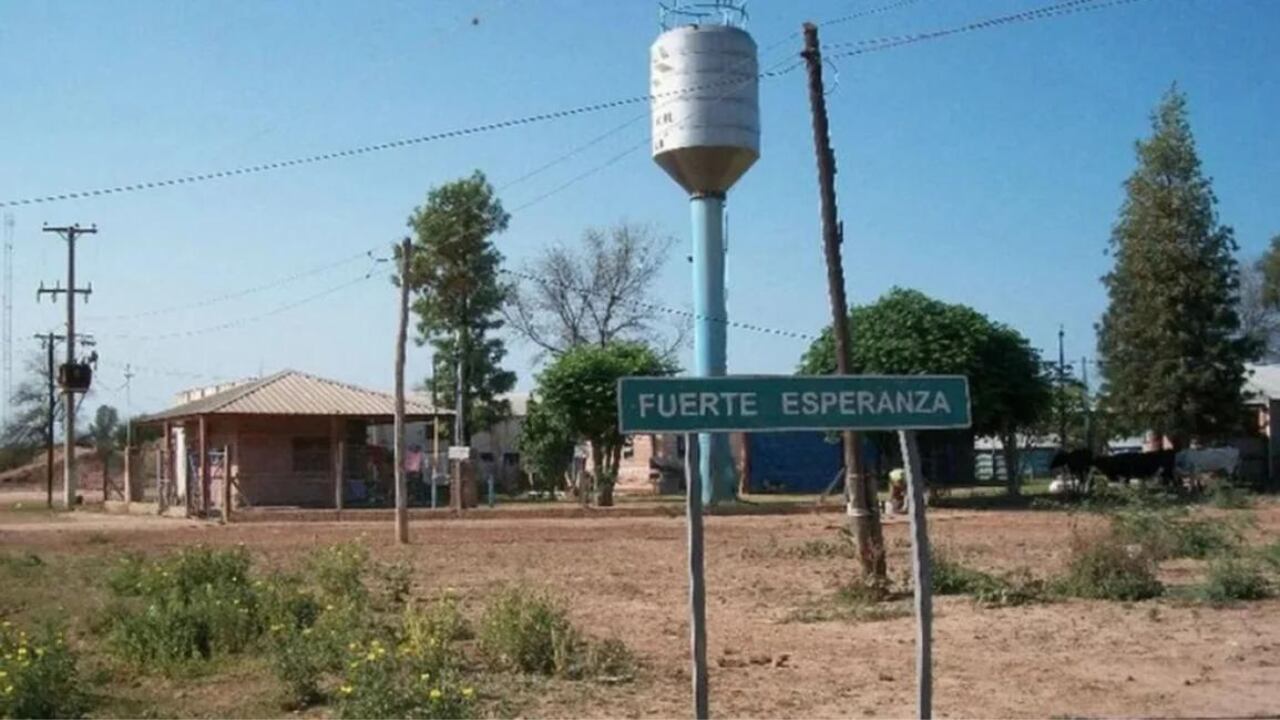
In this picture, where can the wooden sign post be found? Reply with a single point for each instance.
(920, 574)
(697, 579)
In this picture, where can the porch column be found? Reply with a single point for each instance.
(336, 446)
(204, 464)
(128, 477)
(226, 482)
(165, 458)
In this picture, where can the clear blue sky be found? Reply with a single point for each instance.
(983, 169)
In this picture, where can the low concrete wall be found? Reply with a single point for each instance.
(119, 507)
(531, 512)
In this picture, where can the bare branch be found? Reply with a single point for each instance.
(596, 293)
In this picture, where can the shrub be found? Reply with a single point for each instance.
(339, 572)
(383, 682)
(1230, 496)
(863, 601)
(949, 577)
(192, 605)
(611, 659)
(1105, 568)
(1166, 533)
(528, 631)
(38, 677)
(1016, 588)
(1235, 579)
(1270, 554)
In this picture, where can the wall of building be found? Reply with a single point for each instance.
(263, 461)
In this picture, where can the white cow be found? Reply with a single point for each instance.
(1203, 461)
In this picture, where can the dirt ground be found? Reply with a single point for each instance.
(627, 577)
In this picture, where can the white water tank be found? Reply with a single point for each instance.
(705, 115)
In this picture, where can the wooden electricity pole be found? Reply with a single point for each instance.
(860, 491)
(402, 490)
(49, 339)
(70, 233)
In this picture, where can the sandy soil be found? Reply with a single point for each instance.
(627, 577)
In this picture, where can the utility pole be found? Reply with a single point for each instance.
(69, 233)
(1062, 391)
(860, 491)
(402, 490)
(128, 404)
(49, 339)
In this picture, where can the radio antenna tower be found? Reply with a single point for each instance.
(5, 409)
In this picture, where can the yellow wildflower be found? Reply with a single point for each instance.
(346, 689)
(328, 607)
(306, 631)
(352, 646)
(8, 690)
(424, 677)
(468, 692)
(3, 674)
(436, 694)
(371, 656)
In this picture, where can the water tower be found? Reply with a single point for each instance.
(706, 133)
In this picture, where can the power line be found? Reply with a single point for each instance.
(1047, 11)
(239, 322)
(865, 13)
(365, 149)
(868, 46)
(239, 293)
(662, 308)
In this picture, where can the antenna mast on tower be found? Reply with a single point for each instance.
(5, 409)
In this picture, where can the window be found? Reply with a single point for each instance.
(628, 448)
(310, 455)
(511, 459)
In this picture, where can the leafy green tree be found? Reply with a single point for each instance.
(103, 431)
(906, 332)
(1268, 266)
(579, 388)
(546, 446)
(1170, 340)
(1259, 307)
(458, 296)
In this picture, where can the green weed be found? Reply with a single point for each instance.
(1106, 568)
(38, 676)
(528, 631)
(1232, 579)
(1229, 496)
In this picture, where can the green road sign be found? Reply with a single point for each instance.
(782, 402)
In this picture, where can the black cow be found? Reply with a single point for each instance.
(1077, 462)
(1137, 465)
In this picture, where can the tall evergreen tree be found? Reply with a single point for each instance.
(458, 296)
(1170, 341)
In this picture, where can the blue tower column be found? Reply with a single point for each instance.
(715, 462)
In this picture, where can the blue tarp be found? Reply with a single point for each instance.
(796, 462)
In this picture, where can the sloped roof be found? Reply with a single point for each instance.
(1263, 382)
(290, 392)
